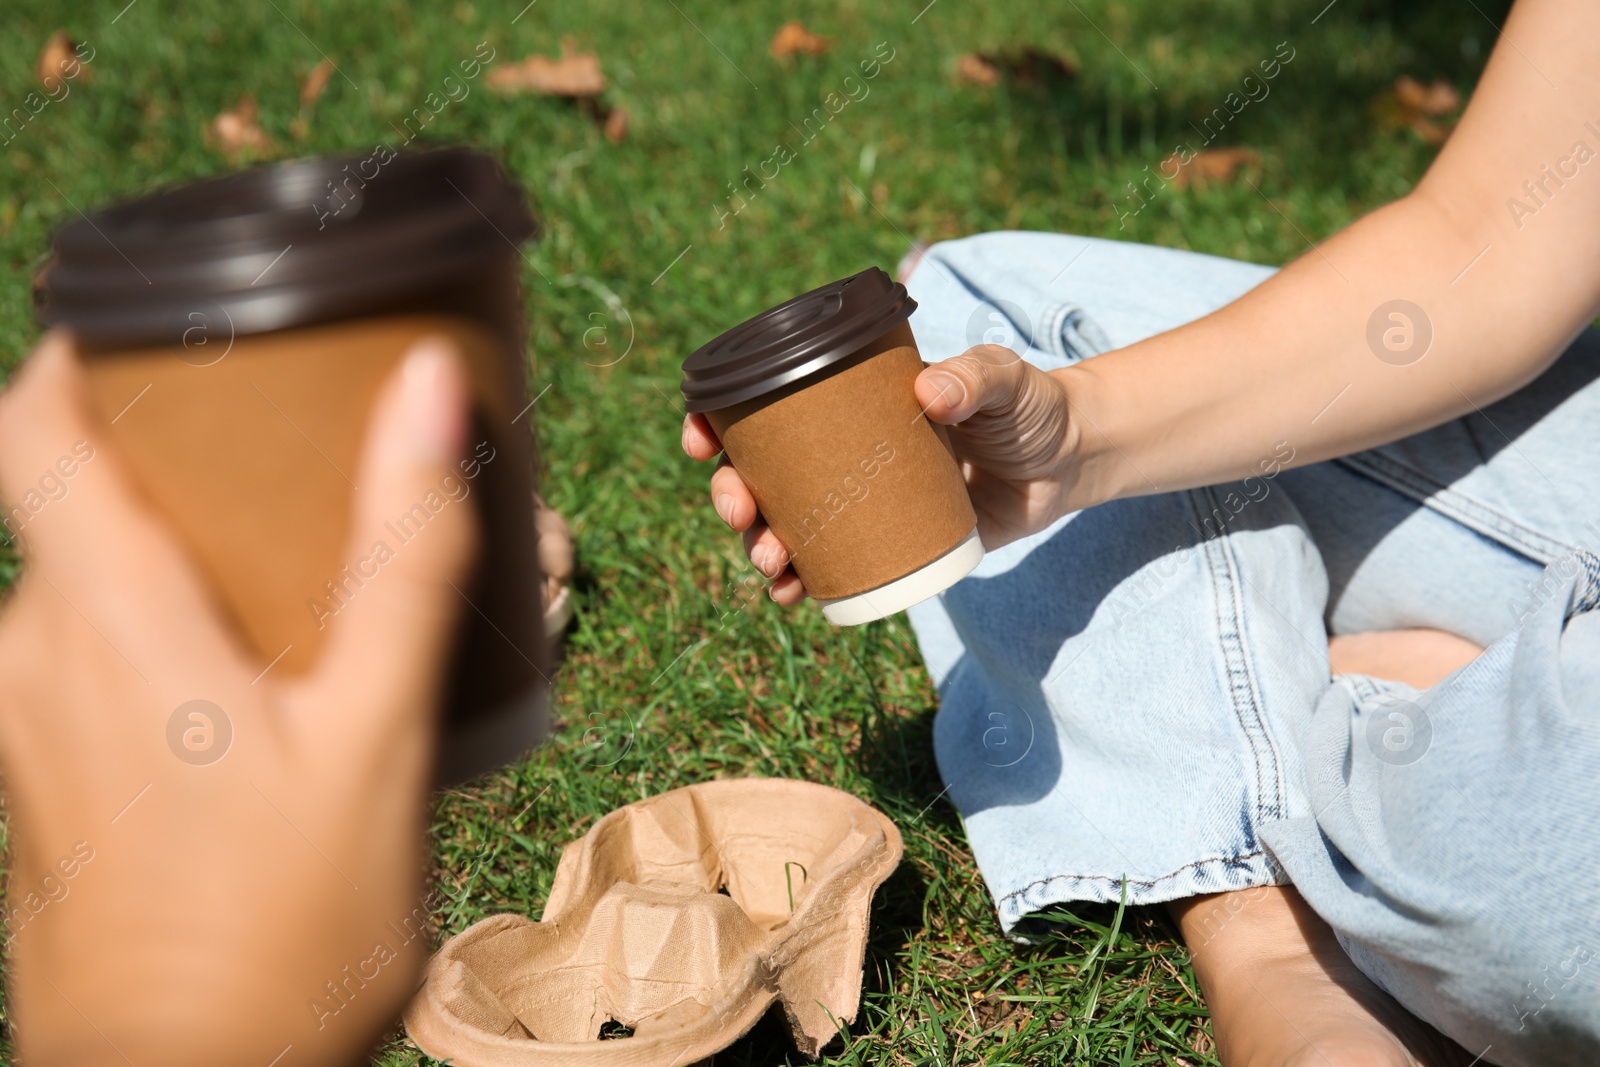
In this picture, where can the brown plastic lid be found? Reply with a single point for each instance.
(798, 338)
(287, 245)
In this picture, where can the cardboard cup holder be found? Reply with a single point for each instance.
(683, 918)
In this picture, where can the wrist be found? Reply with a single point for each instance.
(1092, 468)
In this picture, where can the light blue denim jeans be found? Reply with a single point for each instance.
(1136, 702)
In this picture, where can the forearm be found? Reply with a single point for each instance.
(1299, 366)
(221, 970)
(1287, 370)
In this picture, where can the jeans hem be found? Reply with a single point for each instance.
(1216, 874)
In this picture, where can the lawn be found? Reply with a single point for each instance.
(678, 669)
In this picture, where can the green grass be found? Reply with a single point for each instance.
(678, 670)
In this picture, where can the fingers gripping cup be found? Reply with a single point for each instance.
(235, 333)
(815, 403)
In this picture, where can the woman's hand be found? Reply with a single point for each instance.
(1010, 429)
(210, 860)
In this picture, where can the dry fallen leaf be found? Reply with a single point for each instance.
(1434, 100)
(574, 75)
(616, 125)
(310, 90)
(1029, 65)
(1025, 66)
(316, 81)
(238, 133)
(793, 38)
(59, 53)
(1209, 165)
(973, 69)
(1414, 106)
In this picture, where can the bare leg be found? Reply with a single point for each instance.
(1419, 658)
(1282, 993)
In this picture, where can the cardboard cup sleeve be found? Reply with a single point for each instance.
(848, 472)
(236, 369)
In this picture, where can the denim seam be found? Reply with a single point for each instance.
(1274, 756)
(1363, 688)
(1217, 599)
(1067, 325)
(1045, 339)
(1124, 880)
(1090, 334)
(1362, 685)
(1236, 660)
(1588, 597)
(1054, 327)
(1450, 502)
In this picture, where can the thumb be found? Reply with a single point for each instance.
(987, 379)
(386, 648)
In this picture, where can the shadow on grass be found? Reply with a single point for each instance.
(1313, 118)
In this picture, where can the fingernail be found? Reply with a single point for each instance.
(761, 556)
(724, 506)
(952, 390)
(684, 440)
(431, 402)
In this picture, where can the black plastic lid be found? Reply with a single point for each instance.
(797, 338)
(281, 246)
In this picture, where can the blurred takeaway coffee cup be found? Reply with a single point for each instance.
(235, 333)
(815, 403)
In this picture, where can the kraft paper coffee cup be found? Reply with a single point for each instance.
(236, 332)
(815, 403)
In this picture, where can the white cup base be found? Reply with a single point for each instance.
(914, 588)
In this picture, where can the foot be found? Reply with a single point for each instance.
(1282, 993)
